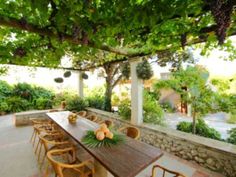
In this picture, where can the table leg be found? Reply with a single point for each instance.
(100, 171)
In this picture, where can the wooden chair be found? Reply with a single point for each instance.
(50, 142)
(82, 113)
(109, 123)
(93, 118)
(65, 164)
(165, 172)
(38, 129)
(131, 132)
(40, 124)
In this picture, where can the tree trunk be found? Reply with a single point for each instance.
(112, 78)
(108, 95)
(109, 78)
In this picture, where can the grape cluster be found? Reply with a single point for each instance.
(221, 11)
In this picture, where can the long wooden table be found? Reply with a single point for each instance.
(124, 160)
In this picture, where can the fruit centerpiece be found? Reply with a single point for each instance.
(103, 136)
(72, 118)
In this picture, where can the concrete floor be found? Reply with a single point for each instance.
(17, 158)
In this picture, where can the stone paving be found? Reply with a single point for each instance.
(18, 159)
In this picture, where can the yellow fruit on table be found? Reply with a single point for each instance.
(100, 135)
(109, 135)
(95, 132)
(105, 130)
(103, 126)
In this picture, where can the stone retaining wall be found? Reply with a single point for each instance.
(214, 155)
(24, 118)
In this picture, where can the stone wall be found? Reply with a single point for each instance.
(214, 155)
(24, 118)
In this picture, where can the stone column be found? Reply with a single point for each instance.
(136, 94)
(80, 85)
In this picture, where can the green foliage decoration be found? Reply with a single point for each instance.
(67, 74)
(91, 141)
(125, 70)
(144, 70)
(59, 80)
(202, 129)
(84, 75)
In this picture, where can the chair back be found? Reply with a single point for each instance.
(165, 172)
(133, 132)
(82, 113)
(59, 158)
(93, 118)
(109, 123)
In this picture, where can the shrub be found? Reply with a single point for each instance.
(115, 100)
(5, 89)
(43, 103)
(184, 126)
(166, 106)
(64, 96)
(124, 109)
(23, 90)
(17, 104)
(202, 129)
(232, 136)
(3, 106)
(96, 102)
(76, 104)
(96, 98)
(152, 111)
(40, 92)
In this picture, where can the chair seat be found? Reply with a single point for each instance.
(73, 173)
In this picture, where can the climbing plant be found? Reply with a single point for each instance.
(39, 33)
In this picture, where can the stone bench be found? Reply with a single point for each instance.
(24, 118)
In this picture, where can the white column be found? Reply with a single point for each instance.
(80, 85)
(136, 94)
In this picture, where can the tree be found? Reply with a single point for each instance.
(113, 76)
(197, 92)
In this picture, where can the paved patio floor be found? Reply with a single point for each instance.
(17, 158)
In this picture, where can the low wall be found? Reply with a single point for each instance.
(24, 118)
(215, 155)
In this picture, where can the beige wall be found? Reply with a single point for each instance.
(169, 95)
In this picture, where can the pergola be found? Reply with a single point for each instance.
(39, 33)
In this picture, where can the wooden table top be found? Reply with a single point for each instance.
(124, 160)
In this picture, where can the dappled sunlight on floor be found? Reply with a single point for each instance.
(18, 159)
